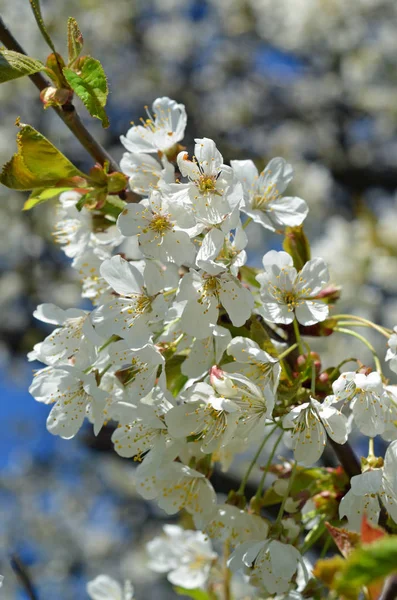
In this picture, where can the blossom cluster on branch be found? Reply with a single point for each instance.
(197, 357)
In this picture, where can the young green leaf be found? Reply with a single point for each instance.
(35, 4)
(90, 84)
(195, 594)
(43, 194)
(367, 565)
(37, 164)
(75, 40)
(14, 65)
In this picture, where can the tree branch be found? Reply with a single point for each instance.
(23, 576)
(347, 458)
(390, 589)
(67, 112)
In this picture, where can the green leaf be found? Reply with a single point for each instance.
(297, 245)
(42, 195)
(35, 4)
(195, 594)
(14, 65)
(75, 40)
(37, 164)
(175, 378)
(367, 565)
(90, 85)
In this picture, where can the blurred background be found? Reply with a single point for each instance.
(313, 81)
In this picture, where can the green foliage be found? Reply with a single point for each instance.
(88, 81)
(42, 195)
(367, 565)
(297, 245)
(364, 567)
(14, 65)
(175, 378)
(75, 40)
(195, 594)
(35, 4)
(37, 164)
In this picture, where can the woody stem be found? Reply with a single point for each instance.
(67, 112)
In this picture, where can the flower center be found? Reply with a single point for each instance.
(160, 224)
(206, 183)
(263, 197)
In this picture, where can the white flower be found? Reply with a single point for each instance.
(142, 427)
(145, 171)
(213, 191)
(158, 132)
(139, 306)
(206, 352)
(254, 403)
(87, 265)
(222, 252)
(391, 354)
(235, 526)
(205, 415)
(311, 422)
(204, 293)
(368, 400)
(367, 488)
(187, 556)
(177, 486)
(160, 227)
(263, 200)
(287, 293)
(104, 587)
(273, 564)
(253, 362)
(138, 368)
(390, 432)
(74, 394)
(74, 229)
(75, 337)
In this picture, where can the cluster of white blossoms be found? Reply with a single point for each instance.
(193, 357)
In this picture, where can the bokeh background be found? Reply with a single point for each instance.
(313, 81)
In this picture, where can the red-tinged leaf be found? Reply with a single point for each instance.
(370, 533)
(344, 539)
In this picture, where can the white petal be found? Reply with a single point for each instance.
(104, 588)
(311, 312)
(122, 276)
(314, 275)
(50, 313)
(236, 299)
(131, 221)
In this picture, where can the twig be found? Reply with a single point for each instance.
(347, 458)
(67, 113)
(390, 589)
(23, 576)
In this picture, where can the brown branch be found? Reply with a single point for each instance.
(67, 113)
(390, 589)
(23, 576)
(347, 458)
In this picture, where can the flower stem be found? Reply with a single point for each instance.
(313, 383)
(364, 341)
(287, 351)
(252, 464)
(267, 466)
(290, 482)
(226, 573)
(298, 336)
(364, 322)
(371, 453)
(247, 222)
